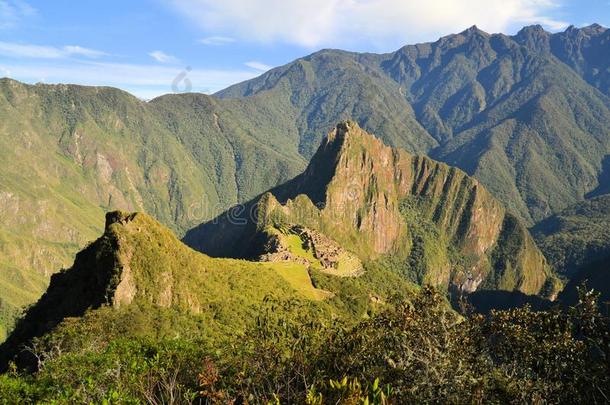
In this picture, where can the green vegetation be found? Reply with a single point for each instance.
(298, 277)
(423, 218)
(577, 236)
(417, 351)
(431, 252)
(526, 115)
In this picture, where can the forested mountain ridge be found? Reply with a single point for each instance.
(526, 114)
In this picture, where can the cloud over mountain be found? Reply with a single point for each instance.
(315, 23)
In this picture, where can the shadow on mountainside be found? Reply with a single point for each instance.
(484, 301)
(88, 284)
(603, 180)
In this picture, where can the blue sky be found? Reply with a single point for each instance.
(142, 46)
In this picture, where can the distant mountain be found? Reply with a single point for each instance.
(576, 237)
(526, 114)
(431, 222)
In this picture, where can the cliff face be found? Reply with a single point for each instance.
(378, 202)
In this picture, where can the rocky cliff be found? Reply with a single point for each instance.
(380, 202)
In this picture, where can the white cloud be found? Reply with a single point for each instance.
(144, 80)
(75, 50)
(258, 66)
(13, 12)
(18, 50)
(314, 23)
(162, 57)
(216, 40)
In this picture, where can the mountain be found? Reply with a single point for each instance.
(576, 237)
(69, 153)
(594, 275)
(432, 221)
(526, 114)
(576, 242)
(139, 267)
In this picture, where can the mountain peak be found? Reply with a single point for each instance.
(532, 29)
(372, 199)
(534, 37)
(341, 131)
(344, 130)
(594, 28)
(474, 30)
(138, 261)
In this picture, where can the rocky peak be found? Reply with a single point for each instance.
(594, 29)
(534, 37)
(118, 217)
(474, 30)
(535, 29)
(355, 190)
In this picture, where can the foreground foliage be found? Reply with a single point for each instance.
(420, 351)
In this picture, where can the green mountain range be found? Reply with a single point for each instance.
(526, 115)
(362, 223)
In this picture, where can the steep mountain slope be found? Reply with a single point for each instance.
(585, 50)
(331, 85)
(576, 237)
(594, 275)
(69, 153)
(432, 221)
(527, 115)
(139, 263)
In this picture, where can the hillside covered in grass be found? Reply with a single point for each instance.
(139, 264)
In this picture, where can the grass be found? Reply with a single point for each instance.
(295, 245)
(298, 277)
